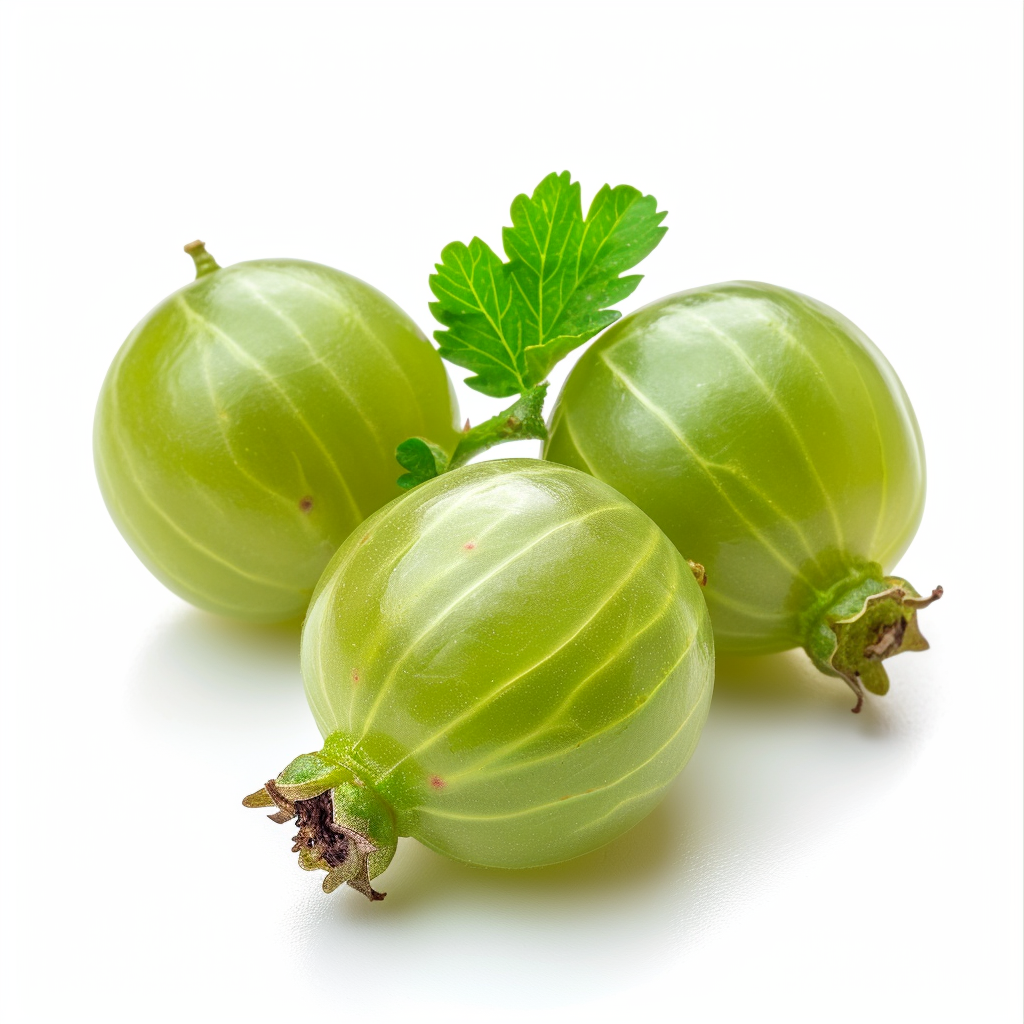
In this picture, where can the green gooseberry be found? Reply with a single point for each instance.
(249, 423)
(772, 442)
(510, 664)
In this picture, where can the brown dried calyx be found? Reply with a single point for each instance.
(321, 843)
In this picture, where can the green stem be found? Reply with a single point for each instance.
(205, 263)
(522, 421)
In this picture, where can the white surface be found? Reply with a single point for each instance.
(808, 866)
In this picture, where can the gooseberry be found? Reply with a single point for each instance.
(249, 423)
(510, 664)
(773, 442)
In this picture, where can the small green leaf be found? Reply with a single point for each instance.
(510, 323)
(423, 459)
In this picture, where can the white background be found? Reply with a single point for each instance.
(808, 866)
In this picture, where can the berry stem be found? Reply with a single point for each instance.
(205, 263)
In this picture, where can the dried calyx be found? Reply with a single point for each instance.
(321, 843)
(344, 828)
(865, 625)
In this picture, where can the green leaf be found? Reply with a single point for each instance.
(510, 323)
(423, 459)
(477, 304)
